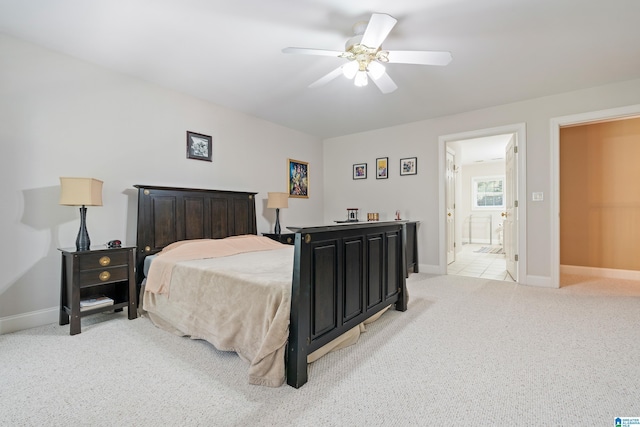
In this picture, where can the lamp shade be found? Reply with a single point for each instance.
(278, 200)
(80, 192)
(361, 79)
(350, 69)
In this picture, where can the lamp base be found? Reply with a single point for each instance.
(82, 241)
(276, 229)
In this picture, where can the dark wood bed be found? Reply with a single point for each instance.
(342, 274)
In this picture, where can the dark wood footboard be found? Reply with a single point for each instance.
(342, 276)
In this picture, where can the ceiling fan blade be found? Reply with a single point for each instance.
(309, 51)
(420, 57)
(378, 29)
(384, 83)
(327, 78)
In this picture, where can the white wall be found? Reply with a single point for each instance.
(64, 117)
(418, 196)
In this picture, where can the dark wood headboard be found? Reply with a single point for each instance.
(169, 214)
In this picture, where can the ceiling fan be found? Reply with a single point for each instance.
(366, 56)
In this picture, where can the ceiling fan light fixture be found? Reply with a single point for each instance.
(376, 70)
(350, 69)
(366, 58)
(361, 79)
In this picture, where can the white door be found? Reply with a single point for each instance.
(510, 215)
(451, 204)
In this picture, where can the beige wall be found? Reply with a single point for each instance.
(600, 195)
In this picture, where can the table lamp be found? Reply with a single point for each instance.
(278, 201)
(81, 192)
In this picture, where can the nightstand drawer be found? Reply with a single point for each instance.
(103, 259)
(104, 275)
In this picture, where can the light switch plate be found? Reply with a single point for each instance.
(537, 196)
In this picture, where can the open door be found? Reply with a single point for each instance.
(451, 204)
(510, 216)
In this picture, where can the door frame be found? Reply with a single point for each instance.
(520, 129)
(510, 207)
(450, 188)
(556, 123)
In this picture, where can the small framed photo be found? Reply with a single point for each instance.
(382, 168)
(360, 171)
(409, 166)
(298, 181)
(198, 146)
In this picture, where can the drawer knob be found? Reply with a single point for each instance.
(104, 276)
(289, 240)
(104, 261)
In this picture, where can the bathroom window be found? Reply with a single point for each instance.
(487, 192)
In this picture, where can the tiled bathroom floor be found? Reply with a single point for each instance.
(483, 265)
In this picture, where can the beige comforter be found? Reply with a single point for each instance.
(159, 277)
(235, 298)
(236, 302)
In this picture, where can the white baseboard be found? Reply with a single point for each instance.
(29, 320)
(609, 273)
(429, 269)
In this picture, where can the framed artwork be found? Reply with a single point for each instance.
(409, 166)
(298, 181)
(382, 168)
(360, 171)
(198, 146)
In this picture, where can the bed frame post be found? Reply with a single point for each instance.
(299, 325)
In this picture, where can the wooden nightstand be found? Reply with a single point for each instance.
(93, 273)
(286, 238)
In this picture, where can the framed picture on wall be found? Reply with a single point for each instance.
(382, 168)
(409, 166)
(360, 171)
(298, 181)
(198, 146)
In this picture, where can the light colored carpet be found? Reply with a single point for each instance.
(467, 352)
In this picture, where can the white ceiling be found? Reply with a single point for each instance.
(229, 52)
(483, 150)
